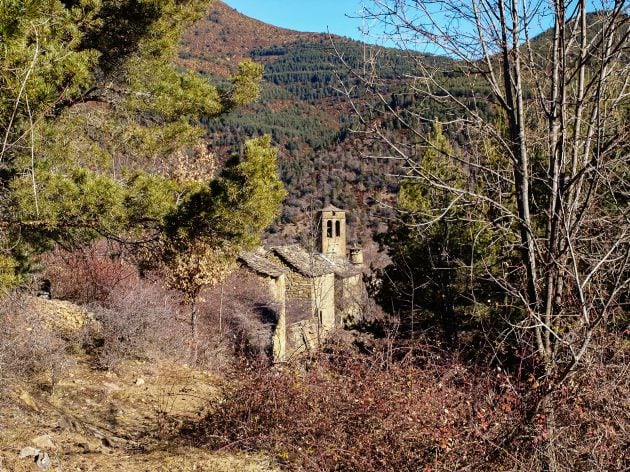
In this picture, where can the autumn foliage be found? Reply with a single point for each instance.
(423, 410)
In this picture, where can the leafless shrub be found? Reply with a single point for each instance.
(348, 412)
(29, 347)
(138, 322)
(593, 410)
(139, 318)
(236, 317)
(410, 408)
(88, 274)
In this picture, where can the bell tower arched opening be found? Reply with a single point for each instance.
(333, 232)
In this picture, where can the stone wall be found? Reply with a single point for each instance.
(299, 287)
(311, 307)
(350, 299)
(307, 334)
(277, 288)
(302, 336)
(324, 301)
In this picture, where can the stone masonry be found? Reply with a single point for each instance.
(315, 292)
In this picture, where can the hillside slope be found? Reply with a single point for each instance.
(104, 420)
(216, 43)
(301, 107)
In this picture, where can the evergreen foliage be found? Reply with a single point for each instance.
(94, 117)
(233, 209)
(440, 249)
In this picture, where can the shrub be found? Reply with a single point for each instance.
(353, 412)
(236, 317)
(593, 409)
(88, 274)
(414, 410)
(141, 319)
(30, 347)
(138, 322)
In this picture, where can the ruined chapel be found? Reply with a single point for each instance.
(315, 291)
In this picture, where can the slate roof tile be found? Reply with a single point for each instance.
(300, 260)
(257, 262)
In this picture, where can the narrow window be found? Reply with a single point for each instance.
(329, 229)
(337, 228)
(321, 317)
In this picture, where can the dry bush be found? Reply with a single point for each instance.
(30, 349)
(593, 410)
(140, 321)
(409, 411)
(355, 412)
(88, 274)
(145, 321)
(235, 317)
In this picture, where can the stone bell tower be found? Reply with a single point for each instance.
(333, 232)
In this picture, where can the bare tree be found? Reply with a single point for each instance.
(191, 270)
(545, 122)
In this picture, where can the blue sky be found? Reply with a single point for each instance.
(317, 16)
(342, 17)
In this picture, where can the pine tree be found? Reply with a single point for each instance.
(94, 114)
(435, 244)
(204, 234)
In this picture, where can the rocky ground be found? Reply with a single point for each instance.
(95, 420)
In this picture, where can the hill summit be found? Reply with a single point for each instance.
(224, 36)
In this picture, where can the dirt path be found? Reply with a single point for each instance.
(112, 421)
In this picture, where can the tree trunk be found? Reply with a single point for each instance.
(194, 341)
(449, 323)
(550, 456)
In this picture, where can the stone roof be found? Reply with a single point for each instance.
(341, 267)
(298, 258)
(257, 262)
(332, 208)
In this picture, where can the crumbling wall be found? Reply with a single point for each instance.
(299, 287)
(277, 288)
(350, 297)
(302, 336)
(324, 301)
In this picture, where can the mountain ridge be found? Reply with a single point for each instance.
(207, 39)
(300, 107)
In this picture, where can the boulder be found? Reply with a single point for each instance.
(43, 461)
(43, 442)
(29, 451)
(28, 400)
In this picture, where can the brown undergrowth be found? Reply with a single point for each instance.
(109, 385)
(424, 410)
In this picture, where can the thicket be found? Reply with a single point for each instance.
(410, 408)
(130, 317)
(31, 347)
(517, 235)
(141, 317)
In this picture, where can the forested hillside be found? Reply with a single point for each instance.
(303, 107)
(306, 105)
